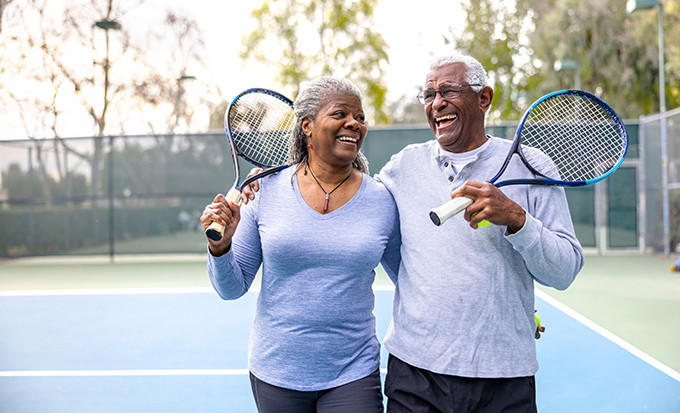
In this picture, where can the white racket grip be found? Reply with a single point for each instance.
(442, 213)
(215, 231)
(234, 195)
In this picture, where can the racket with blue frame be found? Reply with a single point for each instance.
(566, 138)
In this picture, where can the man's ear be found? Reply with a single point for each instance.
(485, 98)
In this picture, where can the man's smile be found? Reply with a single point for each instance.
(446, 120)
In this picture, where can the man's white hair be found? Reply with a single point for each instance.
(475, 73)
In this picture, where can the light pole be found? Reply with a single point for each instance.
(569, 65)
(106, 25)
(178, 97)
(631, 6)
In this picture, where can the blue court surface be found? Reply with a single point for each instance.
(173, 350)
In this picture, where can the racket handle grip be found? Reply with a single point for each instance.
(215, 231)
(234, 195)
(442, 213)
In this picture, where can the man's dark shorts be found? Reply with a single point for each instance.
(414, 390)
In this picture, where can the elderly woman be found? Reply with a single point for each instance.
(319, 229)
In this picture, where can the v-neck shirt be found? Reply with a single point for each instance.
(314, 327)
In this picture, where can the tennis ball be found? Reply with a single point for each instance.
(483, 223)
(538, 320)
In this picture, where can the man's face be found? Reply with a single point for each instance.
(457, 123)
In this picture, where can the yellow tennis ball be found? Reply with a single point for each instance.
(538, 320)
(483, 223)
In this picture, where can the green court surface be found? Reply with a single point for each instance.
(635, 297)
(92, 272)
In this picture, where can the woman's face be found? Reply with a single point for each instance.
(338, 131)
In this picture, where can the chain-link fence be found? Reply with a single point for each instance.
(660, 151)
(144, 194)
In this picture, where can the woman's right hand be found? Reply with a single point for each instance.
(248, 192)
(224, 213)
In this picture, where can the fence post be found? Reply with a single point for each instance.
(642, 186)
(111, 203)
(31, 204)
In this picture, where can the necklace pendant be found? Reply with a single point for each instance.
(328, 194)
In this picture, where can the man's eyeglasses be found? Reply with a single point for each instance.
(427, 96)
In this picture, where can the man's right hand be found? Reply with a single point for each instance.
(248, 192)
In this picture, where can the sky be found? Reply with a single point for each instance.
(413, 30)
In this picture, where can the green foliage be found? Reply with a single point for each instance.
(155, 179)
(22, 186)
(167, 164)
(304, 39)
(59, 229)
(492, 36)
(674, 209)
(617, 52)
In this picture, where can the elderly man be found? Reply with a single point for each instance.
(462, 334)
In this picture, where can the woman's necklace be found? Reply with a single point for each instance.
(328, 194)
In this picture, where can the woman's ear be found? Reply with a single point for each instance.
(307, 126)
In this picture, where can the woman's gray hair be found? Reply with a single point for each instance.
(308, 104)
(475, 73)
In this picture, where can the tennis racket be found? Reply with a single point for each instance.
(259, 124)
(566, 138)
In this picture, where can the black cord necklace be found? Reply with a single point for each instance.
(328, 194)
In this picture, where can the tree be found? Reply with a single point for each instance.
(642, 29)
(407, 110)
(616, 52)
(305, 39)
(83, 54)
(493, 35)
(614, 62)
(3, 6)
(21, 186)
(77, 54)
(163, 87)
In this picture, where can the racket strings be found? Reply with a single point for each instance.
(582, 141)
(261, 127)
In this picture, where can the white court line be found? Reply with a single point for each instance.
(609, 336)
(568, 311)
(105, 291)
(389, 287)
(127, 373)
(106, 259)
(123, 291)
(115, 373)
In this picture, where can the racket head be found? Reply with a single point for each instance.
(259, 123)
(570, 138)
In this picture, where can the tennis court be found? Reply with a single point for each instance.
(148, 334)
